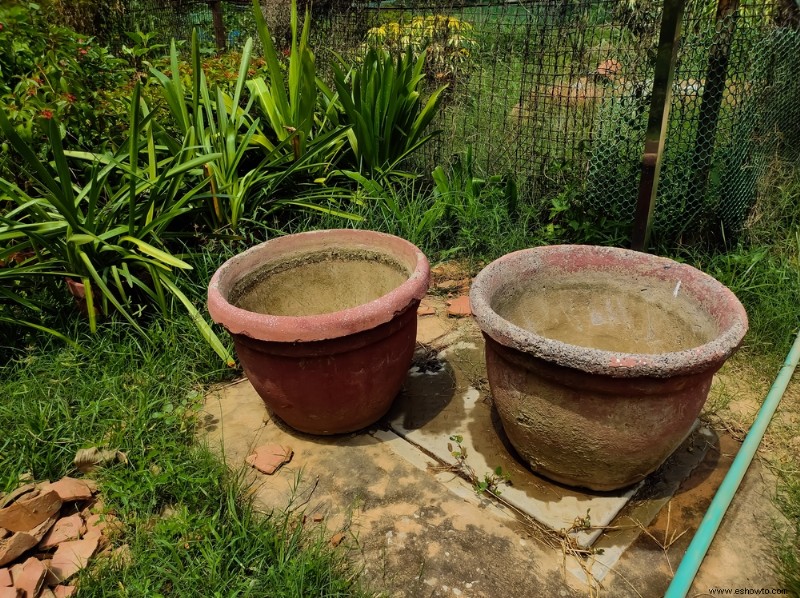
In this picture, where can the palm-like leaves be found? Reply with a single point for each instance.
(106, 230)
(383, 104)
(289, 113)
(222, 128)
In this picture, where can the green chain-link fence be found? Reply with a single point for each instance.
(558, 91)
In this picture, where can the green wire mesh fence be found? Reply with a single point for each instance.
(557, 92)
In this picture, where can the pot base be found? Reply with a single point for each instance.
(335, 386)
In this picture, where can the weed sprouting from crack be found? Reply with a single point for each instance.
(491, 480)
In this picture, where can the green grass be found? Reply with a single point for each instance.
(763, 269)
(142, 398)
(788, 541)
(772, 294)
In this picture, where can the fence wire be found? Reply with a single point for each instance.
(557, 93)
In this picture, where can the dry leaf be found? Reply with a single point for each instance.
(87, 459)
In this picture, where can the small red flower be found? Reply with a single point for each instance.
(70, 98)
(46, 114)
(83, 51)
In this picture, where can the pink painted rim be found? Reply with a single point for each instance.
(324, 326)
(716, 299)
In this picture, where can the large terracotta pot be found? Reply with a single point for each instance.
(324, 323)
(600, 359)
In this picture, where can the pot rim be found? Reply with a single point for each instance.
(273, 328)
(731, 315)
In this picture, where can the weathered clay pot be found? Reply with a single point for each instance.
(324, 323)
(78, 291)
(600, 359)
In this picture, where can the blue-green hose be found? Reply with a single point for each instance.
(722, 499)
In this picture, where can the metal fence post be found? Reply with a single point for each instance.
(657, 121)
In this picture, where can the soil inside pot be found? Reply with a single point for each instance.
(625, 314)
(319, 283)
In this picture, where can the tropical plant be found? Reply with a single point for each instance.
(247, 166)
(105, 225)
(218, 127)
(382, 103)
(302, 107)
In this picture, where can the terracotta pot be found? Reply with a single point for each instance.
(324, 323)
(600, 359)
(78, 291)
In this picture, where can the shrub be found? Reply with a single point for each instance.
(103, 227)
(48, 71)
(446, 41)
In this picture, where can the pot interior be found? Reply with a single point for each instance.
(318, 282)
(611, 311)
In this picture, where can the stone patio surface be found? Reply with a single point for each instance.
(415, 525)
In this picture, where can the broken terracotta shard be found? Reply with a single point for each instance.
(28, 513)
(69, 558)
(70, 489)
(270, 457)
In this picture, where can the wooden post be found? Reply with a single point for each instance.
(657, 121)
(219, 25)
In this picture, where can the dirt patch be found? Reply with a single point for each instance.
(736, 396)
(451, 278)
(319, 283)
(631, 316)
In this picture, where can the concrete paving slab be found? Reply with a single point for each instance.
(416, 527)
(442, 414)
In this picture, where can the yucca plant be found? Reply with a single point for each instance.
(382, 102)
(106, 230)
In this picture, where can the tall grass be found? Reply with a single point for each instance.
(763, 269)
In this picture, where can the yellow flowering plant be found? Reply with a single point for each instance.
(448, 41)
